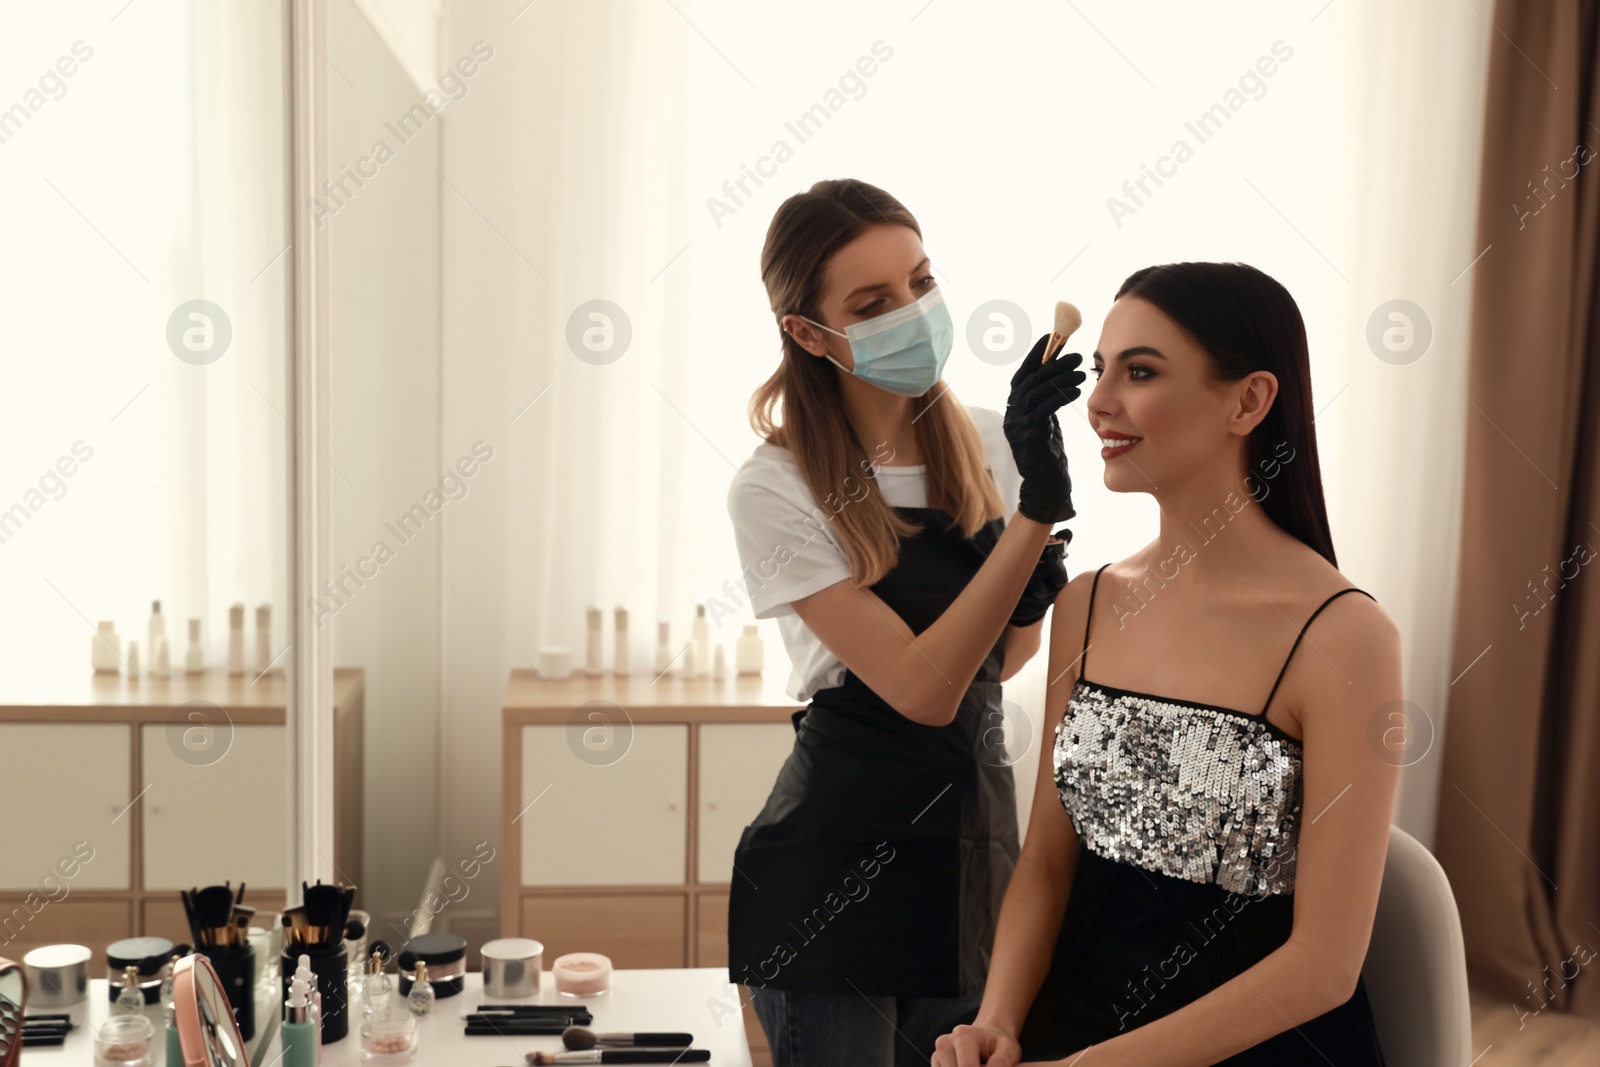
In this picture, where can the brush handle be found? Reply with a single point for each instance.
(655, 1055)
(496, 1027)
(655, 1040)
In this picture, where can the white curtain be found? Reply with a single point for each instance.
(603, 157)
(150, 176)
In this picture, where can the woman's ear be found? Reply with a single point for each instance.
(1257, 391)
(805, 335)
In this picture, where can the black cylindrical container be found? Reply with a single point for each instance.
(446, 957)
(149, 954)
(330, 965)
(236, 968)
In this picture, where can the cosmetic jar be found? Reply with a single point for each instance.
(125, 1041)
(446, 957)
(389, 1037)
(149, 954)
(58, 975)
(512, 967)
(582, 974)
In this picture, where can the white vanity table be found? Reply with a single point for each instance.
(692, 1000)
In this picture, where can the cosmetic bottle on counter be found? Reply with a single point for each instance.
(131, 1000)
(263, 637)
(160, 661)
(236, 639)
(375, 987)
(420, 1000)
(663, 648)
(299, 1032)
(686, 667)
(748, 653)
(702, 641)
(619, 658)
(719, 665)
(133, 660)
(155, 632)
(593, 621)
(194, 660)
(105, 654)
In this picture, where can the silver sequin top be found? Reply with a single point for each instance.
(1197, 792)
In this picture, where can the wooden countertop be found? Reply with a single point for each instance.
(527, 691)
(93, 697)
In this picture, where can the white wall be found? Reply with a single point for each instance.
(384, 339)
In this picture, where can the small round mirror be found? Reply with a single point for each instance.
(206, 1027)
(13, 998)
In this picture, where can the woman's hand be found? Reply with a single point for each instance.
(976, 1046)
(1037, 391)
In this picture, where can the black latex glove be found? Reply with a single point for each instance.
(1049, 576)
(1037, 391)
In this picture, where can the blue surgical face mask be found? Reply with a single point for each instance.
(904, 350)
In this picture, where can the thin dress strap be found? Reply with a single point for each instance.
(1290, 656)
(1083, 656)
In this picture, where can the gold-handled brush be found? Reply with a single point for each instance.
(1068, 320)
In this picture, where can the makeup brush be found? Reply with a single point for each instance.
(579, 1038)
(624, 1055)
(1068, 319)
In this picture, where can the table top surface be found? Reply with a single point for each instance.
(700, 1001)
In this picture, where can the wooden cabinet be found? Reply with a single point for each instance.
(65, 794)
(624, 801)
(622, 798)
(217, 813)
(144, 788)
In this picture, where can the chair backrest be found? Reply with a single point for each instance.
(1416, 966)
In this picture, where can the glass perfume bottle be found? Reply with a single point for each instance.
(375, 989)
(131, 1000)
(420, 999)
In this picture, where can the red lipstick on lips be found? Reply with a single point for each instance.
(1108, 451)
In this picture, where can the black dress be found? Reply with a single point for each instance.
(880, 859)
(1188, 821)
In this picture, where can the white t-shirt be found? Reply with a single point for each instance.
(787, 543)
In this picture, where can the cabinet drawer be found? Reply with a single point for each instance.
(738, 764)
(214, 814)
(635, 930)
(66, 790)
(599, 819)
(27, 924)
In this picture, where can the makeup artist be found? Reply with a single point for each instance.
(872, 523)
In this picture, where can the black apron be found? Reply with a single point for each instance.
(880, 859)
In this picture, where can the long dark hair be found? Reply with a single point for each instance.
(1245, 321)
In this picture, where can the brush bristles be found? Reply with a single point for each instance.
(579, 1038)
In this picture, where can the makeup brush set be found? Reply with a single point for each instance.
(322, 920)
(317, 929)
(218, 916)
(583, 1044)
(219, 920)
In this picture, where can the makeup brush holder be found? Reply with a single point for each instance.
(236, 969)
(331, 966)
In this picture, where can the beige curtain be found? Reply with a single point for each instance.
(1519, 804)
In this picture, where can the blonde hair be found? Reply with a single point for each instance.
(805, 233)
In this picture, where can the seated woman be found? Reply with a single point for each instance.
(1207, 842)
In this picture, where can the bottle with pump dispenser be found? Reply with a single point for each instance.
(300, 1038)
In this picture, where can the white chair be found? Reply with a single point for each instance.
(1416, 966)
